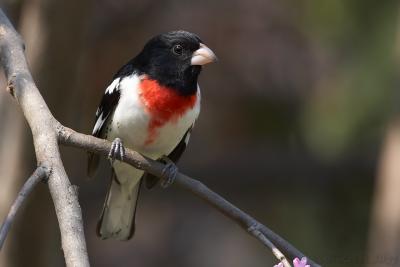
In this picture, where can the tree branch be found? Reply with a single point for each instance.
(42, 123)
(47, 132)
(38, 175)
(69, 137)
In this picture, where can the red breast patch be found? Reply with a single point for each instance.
(164, 105)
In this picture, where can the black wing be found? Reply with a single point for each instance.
(106, 108)
(175, 155)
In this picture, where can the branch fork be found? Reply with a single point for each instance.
(48, 133)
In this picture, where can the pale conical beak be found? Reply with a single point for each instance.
(202, 56)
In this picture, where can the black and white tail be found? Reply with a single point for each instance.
(117, 220)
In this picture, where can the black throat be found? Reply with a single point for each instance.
(180, 77)
(183, 79)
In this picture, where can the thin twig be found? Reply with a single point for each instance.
(69, 137)
(255, 230)
(38, 175)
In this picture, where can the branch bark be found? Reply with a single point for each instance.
(265, 235)
(42, 123)
(39, 174)
(48, 132)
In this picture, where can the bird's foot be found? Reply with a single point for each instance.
(117, 150)
(169, 172)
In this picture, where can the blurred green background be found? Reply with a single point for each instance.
(299, 127)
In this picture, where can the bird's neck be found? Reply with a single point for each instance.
(183, 82)
(181, 78)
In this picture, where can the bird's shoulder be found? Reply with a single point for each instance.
(107, 105)
(126, 70)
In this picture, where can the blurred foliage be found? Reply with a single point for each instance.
(353, 100)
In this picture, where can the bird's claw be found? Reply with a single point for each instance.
(169, 172)
(117, 150)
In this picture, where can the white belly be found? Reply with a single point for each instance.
(130, 123)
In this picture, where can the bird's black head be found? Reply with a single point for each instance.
(174, 59)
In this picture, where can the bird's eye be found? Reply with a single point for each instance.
(177, 49)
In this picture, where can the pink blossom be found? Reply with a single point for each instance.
(300, 263)
(296, 263)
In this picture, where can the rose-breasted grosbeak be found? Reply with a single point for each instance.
(150, 106)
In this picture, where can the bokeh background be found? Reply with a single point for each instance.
(300, 127)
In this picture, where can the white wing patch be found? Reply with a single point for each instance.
(187, 137)
(113, 86)
(99, 123)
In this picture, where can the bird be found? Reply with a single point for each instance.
(150, 106)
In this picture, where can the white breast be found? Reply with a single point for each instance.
(130, 122)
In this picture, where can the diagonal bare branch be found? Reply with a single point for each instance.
(38, 175)
(270, 239)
